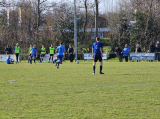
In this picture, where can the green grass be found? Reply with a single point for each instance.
(127, 90)
(106, 49)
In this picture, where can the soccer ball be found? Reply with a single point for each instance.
(77, 62)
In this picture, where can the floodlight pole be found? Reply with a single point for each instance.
(96, 19)
(75, 30)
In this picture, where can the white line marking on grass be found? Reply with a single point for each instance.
(71, 88)
(19, 94)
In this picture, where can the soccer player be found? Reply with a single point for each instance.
(60, 52)
(17, 51)
(97, 54)
(43, 52)
(9, 60)
(52, 51)
(30, 52)
(34, 54)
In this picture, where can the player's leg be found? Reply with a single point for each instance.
(126, 58)
(40, 58)
(12, 61)
(101, 63)
(63, 58)
(94, 67)
(60, 58)
(17, 57)
(55, 60)
(43, 57)
(49, 58)
(31, 59)
(52, 58)
(34, 59)
(94, 64)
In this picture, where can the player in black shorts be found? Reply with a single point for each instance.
(51, 52)
(43, 52)
(97, 54)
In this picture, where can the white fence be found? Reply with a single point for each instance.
(142, 56)
(88, 56)
(46, 57)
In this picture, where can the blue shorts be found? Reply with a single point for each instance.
(32, 56)
(60, 57)
(8, 63)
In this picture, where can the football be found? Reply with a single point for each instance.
(77, 62)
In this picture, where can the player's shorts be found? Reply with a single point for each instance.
(51, 55)
(60, 57)
(42, 55)
(97, 57)
(32, 56)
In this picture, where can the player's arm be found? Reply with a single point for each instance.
(37, 53)
(19, 50)
(92, 52)
(14, 50)
(29, 51)
(101, 51)
(64, 53)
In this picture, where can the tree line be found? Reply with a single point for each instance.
(132, 22)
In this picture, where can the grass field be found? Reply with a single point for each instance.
(127, 90)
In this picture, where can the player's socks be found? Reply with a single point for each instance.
(30, 61)
(58, 64)
(94, 69)
(42, 59)
(34, 60)
(52, 59)
(101, 70)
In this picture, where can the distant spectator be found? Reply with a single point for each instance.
(8, 50)
(70, 53)
(138, 49)
(158, 50)
(118, 52)
(9, 60)
(151, 47)
(125, 52)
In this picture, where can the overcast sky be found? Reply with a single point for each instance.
(107, 5)
(104, 5)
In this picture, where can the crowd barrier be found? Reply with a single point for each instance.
(3, 57)
(87, 56)
(142, 56)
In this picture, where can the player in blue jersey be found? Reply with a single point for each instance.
(34, 54)
(9, 60)
(60, 52)
(97, 54)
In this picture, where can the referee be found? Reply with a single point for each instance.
(17, 51)
(97, 54)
